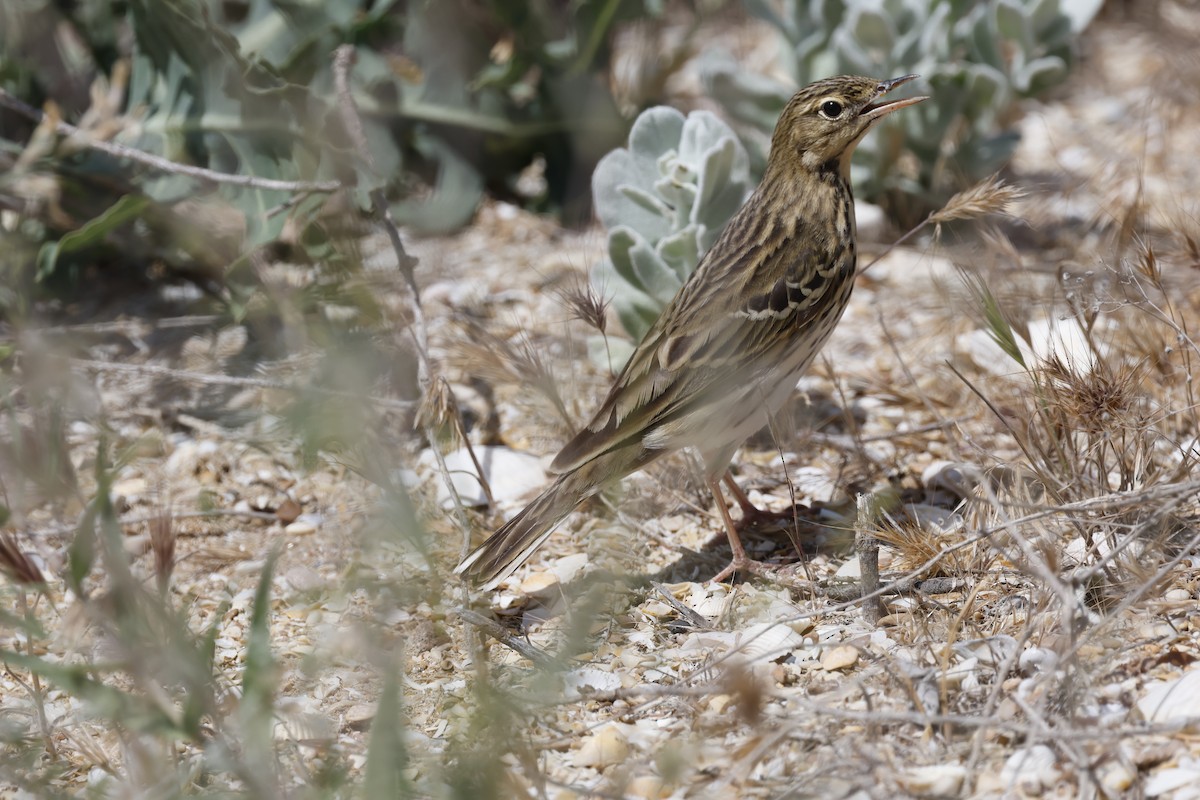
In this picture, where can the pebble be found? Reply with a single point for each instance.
(511, 475)
(960, 479)
(1177, 699)
(540, 584)
(1117, 777)
(301, 527)
(937, 780)
(1031, 770)
(359, 716)
(604, 748)
(650, 787)
(841, 657)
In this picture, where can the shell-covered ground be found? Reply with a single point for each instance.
(1041, 518)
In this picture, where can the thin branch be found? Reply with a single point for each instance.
(208, 379)
(343, 62)
(163, 164)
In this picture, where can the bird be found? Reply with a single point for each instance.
(728, 350)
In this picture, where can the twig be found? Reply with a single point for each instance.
(506, 638)
(63, 530)
(162, 164)
(128, 327)
(866, 546)
(690, 617)
(343, 61)
(209, 379)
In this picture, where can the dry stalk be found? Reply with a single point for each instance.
(990, 196)
(80, 137)
(209, 379)
(17, 565)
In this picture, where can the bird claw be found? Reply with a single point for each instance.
(745, 565)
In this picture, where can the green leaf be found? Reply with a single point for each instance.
(256, 709)
(456, 191)
(90, 233)
(132, 711)
(387, 755)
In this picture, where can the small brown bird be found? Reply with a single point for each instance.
(727, 351)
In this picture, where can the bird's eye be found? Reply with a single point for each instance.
(831, 109)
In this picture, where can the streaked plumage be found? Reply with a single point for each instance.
(728, 350)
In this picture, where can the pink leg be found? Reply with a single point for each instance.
(740, 561)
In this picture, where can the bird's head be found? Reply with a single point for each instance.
(824, 121)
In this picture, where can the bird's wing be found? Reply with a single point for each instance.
(720, 334)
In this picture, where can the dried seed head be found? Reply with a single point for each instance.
(162, 544)
(586, 304)
(990, 196)
(16, 564)
(439, 410)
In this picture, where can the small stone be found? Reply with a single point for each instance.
(1031, 770)
(130, 489)
(304, 579)
(850, 568)
(1117, 777)
(1177, 596)
(540, 584)
(605, 747)
(841, 657)
(136, 545)
(359, 716)
(719, 703)
(960, 479)
(301, 527)
(937, 780)
(567, 568)
(650, 787)
(511, 475)
(287, 511)
(1179, 699)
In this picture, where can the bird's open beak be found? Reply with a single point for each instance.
(875, 110)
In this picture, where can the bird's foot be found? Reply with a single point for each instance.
(746, 564)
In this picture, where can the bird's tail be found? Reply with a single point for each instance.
(509, 547)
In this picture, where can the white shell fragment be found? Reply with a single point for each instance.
(511, 475)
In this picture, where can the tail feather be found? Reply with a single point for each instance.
(509, 547)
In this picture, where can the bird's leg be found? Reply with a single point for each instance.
(752, 514)
(748, 509)
(740, 561)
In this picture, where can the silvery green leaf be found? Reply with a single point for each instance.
(1081, 13)
(985, 85)
(654, 132)
(621, 241)
(754, 99)
(871, 28)
(979, 32)
(852, 57)
(935, 32)
(635, 260)
(635, 309)
(682, 250)
(646, 200)
(723, 186)
(1043, 14)
(681, 197)
(623, 193)
(1039, 74)
(766, 11)
(1012, 23)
